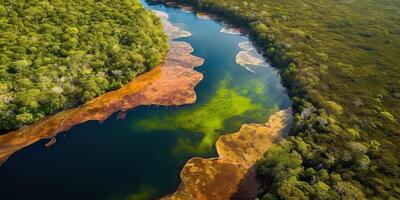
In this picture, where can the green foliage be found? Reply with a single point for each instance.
(333, 107)
(286, 163)
(57, 54)
(388, 116)
(341, 68)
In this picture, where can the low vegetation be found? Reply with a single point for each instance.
(340, 63)
(58, 54)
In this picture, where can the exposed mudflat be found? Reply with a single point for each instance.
(231, 30)
(171, 83)
(173, 31)
(186, 9)
(205, 16)
(249, 57)
(219, 178)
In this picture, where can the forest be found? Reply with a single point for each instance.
(57, 54)
(340, 63)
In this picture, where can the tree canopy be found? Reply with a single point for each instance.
(57, 54)
(340, 63)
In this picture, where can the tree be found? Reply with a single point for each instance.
(42, 41)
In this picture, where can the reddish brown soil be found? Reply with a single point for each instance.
(171, 83)
(220, 178)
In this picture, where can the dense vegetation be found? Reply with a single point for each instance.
(57, 54)
(340, 62)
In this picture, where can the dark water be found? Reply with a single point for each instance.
(141, 156)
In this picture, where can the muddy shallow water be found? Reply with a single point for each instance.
(140, 157)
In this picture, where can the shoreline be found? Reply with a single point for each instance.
(229, 27)
(171, 83)
(235, 164)
(201, 178)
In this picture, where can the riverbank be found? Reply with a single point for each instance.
(60, 64)
(220, 178)
(142, 155)
(170, 84)
(339, 68)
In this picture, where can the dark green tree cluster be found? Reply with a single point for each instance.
(58, 54)
(340, 63)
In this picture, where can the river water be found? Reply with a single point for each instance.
(141, 157)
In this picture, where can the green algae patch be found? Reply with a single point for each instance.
(144, 192)
(232, 102)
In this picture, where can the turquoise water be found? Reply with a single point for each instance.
(141, 156)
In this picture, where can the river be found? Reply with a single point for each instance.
(141, 156)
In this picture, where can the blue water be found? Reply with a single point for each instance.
(130, 159)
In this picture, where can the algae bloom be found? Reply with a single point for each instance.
(233, 103)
